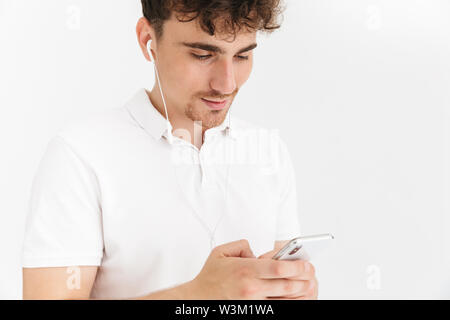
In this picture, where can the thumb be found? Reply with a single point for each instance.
(239, 248)
(268, 255)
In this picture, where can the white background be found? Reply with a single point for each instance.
(359, 89)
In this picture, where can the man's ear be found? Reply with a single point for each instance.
(144, 32)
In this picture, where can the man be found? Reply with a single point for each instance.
(120, 210)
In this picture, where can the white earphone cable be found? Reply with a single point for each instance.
(162, 95)
(194, 211)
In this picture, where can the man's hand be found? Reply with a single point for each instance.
(233, 272)
(312, 294)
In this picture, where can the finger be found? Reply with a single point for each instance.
(285, 288)
(289, 298)
(316, 289)
(278, 269)
(239, 248)
(268, 255)
(311, 294)
(309, 269)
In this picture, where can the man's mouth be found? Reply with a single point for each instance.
(215, 105)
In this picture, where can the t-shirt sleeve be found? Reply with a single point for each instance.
(64, 225)
(288, 225)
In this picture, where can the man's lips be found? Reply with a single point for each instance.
(215, 105)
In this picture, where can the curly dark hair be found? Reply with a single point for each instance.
(221, 16)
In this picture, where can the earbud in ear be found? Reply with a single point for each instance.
(149, 49)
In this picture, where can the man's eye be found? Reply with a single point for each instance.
(205, 57)
(199, 57)
(242, 57)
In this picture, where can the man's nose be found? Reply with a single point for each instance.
(223, 79)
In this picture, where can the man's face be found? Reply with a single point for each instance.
(201, 74)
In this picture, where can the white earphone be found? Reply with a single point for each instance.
(149, 50)
(169, 126)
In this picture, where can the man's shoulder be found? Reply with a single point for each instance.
(262, 143)
(97, 128)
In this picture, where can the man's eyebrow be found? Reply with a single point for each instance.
(248, 48)
(213, 48)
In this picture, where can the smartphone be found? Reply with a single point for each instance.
(304, 248)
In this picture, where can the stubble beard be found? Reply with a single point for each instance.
(208, 118)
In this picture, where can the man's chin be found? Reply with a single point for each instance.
(214, 120)
(208, 117)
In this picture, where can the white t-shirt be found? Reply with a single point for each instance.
(111, 191)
